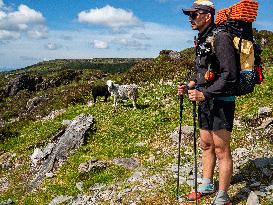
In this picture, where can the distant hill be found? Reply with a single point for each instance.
(111, 65)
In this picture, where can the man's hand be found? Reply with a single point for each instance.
(182, 88)
(195, 95)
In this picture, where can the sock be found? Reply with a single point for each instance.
(206, 181)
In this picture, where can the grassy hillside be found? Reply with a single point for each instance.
(142, 134)
(117, 135)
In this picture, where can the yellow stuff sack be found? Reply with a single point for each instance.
(246, 53)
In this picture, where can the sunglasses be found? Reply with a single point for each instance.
(193, 15)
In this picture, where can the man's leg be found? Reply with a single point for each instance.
(208, 153)
(221, 140)
(208, 161)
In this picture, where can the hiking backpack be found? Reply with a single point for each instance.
(237, 20)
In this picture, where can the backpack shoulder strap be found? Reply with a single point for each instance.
(219, 29)
(211, 39)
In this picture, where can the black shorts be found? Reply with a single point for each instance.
(216, 115)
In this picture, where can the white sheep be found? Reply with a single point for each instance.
(123, 92)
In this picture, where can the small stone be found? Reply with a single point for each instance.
(9, 201)
(237, 123)
(60, 199)
(90, 104)
(269, 188)
(66, 122)
(151, 158)
(127, 190)
(6, 165)
(136, 176)
(53, 114)
(4, 184)
(141, 144)
(92, 165)
(266, 123)
(49, 175)
(264, 111)
(256, 184)
(252, 199)
(190, 183)
(129, 163)
(97, 186)
(36, 156)
(79, 186)
(246, 190)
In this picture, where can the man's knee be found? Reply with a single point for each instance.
(222, 152)
(205, 146)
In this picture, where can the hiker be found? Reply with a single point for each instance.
(213, 88)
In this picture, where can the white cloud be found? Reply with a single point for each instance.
(2, 14)
(38, 32)
(23, 21)
(100, 44)
(25, 15)
(108, 16)
(8, 35)
(52, 46)
(20, 20)
(128, 43)
(65, 37)
(140, 36)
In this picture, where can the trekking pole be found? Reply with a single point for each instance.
(195, 151)
(180, 97)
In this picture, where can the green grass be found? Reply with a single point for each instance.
(116, 135)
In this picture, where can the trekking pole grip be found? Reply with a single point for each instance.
(180, 97)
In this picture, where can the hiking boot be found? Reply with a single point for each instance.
(202, 191)
(221, 198)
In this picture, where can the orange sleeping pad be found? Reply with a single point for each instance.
(245, 10)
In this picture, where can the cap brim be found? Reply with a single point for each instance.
(188, 11)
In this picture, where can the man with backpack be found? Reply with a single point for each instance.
(213, 87)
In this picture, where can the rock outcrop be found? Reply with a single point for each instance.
(22, 82)
(54, 154)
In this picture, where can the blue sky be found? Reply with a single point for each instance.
(35, 30)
